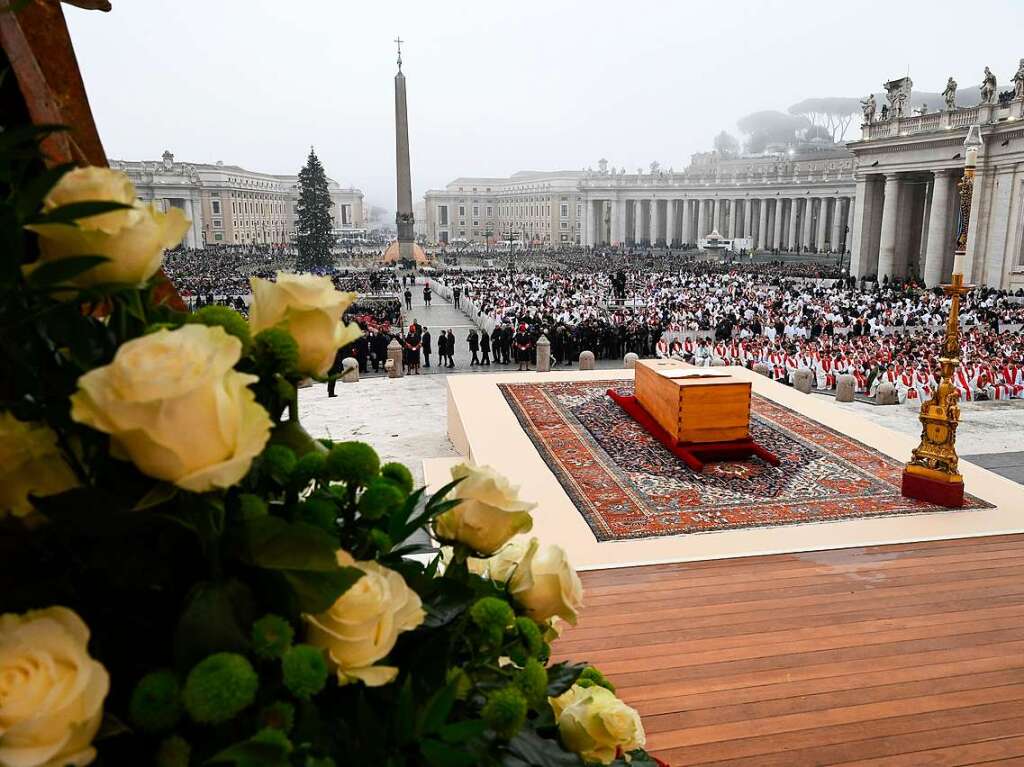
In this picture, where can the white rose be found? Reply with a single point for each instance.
(489, 514)
(51, 691)
(310, 308)
(500, 566)
(363, 625)
(546, 585)
(30, 463)
(174, 406)
(595, 724)
(133, 239)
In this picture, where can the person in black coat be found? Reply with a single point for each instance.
(485, 349)
(425, 339)
(451, 348)
(474, 346)
(336, 368)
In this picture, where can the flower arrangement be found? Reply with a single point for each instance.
(188, 578)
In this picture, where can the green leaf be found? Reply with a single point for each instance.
(450, 601)
(216, 618)
(459, 732)
(31, 195)
(399, 517)
(318, 591)
(253, 754)
(637, 758)
(160, 493)
(529, 749)
(60, 272)
(437, 709)
(440, 754)
(405, 714)
(562, 676)
(73, 211)
(276, 544)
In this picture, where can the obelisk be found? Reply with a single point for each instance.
(404, 218)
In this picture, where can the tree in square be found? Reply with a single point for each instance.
(313, 216)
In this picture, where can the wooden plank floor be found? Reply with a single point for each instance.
(894, 656)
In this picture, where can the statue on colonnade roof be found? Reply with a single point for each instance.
(949, 95)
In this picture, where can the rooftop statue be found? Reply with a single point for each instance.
(949, 95)
(868, 105)
(988, 87)
(1018, 82)
(897, 92)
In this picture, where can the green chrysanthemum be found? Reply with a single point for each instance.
(279, 715)
(529, 633)
(492, 614)
(219, 687)
(271, 636)
(311, 466)
(505, 712)
(320, 761)
(251, 506)
(591, 676)
(532, 680)
(275, 349)
(354, 463)
(155, 705)
(173, 752)
(273, 737)
(305, 671)
(279, 461)
(463, 684)
(380, 498)
(319, 512)
(234, 324)
(398, 474)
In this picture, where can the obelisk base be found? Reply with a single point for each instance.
(933, 489)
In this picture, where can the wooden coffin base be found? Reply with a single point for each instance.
(693, 454)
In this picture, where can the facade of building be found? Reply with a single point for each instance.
(907, 210)
(792, 202)
(544, 208)
(229, 205)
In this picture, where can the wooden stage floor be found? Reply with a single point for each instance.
(892, 656)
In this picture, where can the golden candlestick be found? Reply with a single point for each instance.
(933, 472)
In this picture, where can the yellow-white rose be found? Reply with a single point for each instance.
(597, 725)
(545, 584)
(51, 691)
(310, 308)
(489, 514)
(133, 239)
(30, 463)
(173, 405)
(363, 625)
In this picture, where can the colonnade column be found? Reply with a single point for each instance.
(655, 218)
(793, 241)
(762, 224)
(618, 222)
(733, 207)
(939, 238)
(748, 220)
(807, 224)
(887, 239)
(670, 222)
(686, 234)
(638, 222)
(779, 213)
(701, 220)
(837, 224)
(822, 223)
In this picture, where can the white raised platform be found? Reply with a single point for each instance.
(484, 429)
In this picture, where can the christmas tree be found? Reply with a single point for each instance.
(313, 217)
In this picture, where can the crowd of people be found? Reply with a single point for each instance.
(785, 316)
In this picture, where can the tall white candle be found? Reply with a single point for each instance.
(958, 263)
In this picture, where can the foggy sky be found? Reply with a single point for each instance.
(500, 87)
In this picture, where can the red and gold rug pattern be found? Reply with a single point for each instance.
(627, 485)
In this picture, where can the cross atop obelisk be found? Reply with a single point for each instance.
(403, 218)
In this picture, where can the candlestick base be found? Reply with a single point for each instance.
(934, 487)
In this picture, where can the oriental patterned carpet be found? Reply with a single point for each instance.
(627, 485)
